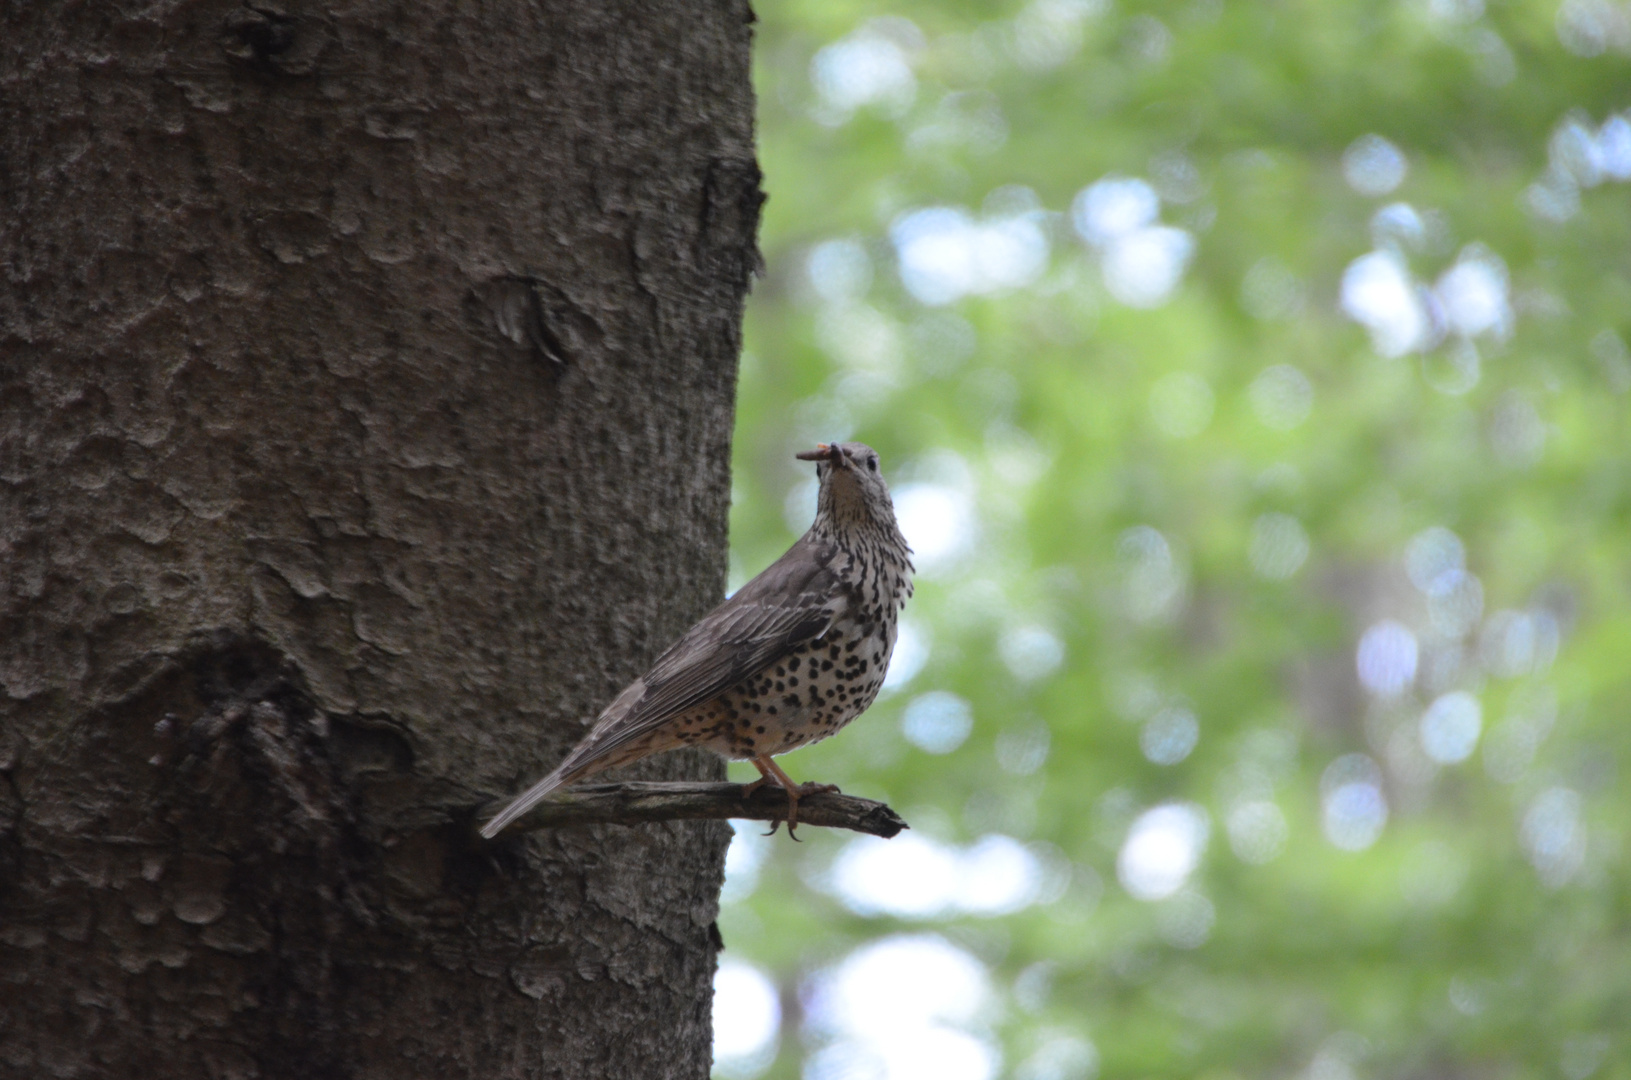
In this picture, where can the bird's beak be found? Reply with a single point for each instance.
(824, 452)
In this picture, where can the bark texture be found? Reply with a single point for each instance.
(366, 381)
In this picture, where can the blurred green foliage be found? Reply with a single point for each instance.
(1168, 529)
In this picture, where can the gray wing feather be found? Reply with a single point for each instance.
(793, 601)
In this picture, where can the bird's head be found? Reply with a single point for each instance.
(852, 487)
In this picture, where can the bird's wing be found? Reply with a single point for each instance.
(796, 599)
(793, 601)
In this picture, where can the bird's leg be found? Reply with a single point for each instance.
(769, 770)
(749, 789)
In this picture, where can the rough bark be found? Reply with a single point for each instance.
(366, 381)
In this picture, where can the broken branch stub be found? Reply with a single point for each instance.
(635, 802)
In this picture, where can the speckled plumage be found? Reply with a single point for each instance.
(791, 657)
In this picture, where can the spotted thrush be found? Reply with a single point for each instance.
(788, 659)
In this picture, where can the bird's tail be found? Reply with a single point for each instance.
(533, 796)
(598, 752)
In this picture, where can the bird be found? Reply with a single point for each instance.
(786, 660)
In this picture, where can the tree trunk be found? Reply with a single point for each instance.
(366, 382)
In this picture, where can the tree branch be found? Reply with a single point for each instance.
(633, 802)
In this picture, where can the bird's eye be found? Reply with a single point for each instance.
(872, 463)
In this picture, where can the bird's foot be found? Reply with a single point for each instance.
(769, 770)
(794, 794)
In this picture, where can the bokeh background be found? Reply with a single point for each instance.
(1252, 379)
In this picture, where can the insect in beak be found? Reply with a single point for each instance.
(828, 452)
